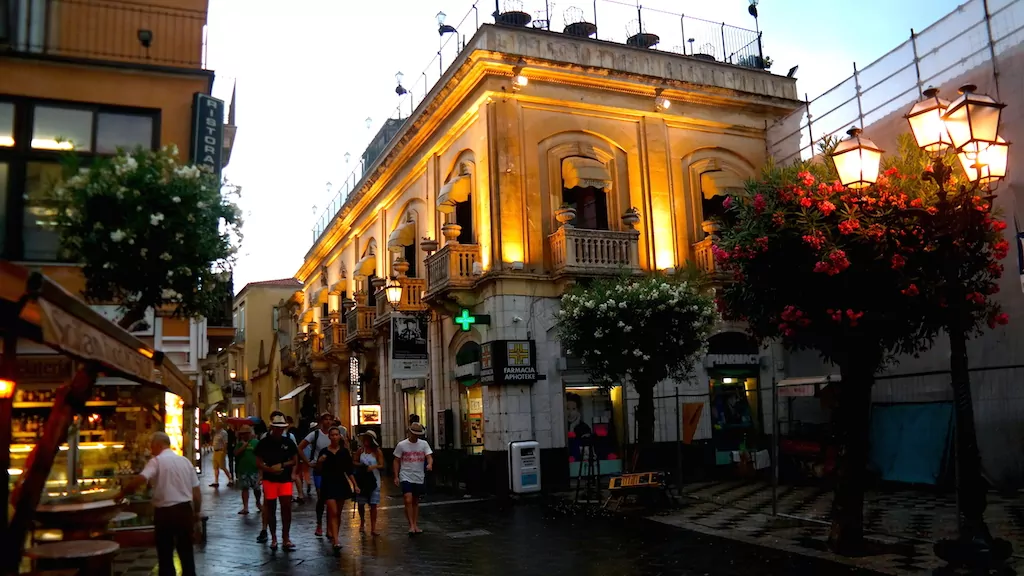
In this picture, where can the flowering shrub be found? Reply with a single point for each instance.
(819, 265)
(861, 276)
(641, 329)
(149, 231)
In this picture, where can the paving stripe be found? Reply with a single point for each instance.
(425, 504)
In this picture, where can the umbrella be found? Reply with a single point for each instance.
(240, 421)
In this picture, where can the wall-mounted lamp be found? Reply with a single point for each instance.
(145, 37)
(660, 102)
(232, 374)
(400, 90)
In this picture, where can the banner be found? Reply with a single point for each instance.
(408, 347)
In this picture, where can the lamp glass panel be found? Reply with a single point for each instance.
(929, 129)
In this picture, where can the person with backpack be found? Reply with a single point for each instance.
(369, 461)
(309, 449)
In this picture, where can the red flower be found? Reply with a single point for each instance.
(807, 177)
(1002, 318)
(933, 210)
(759, 203)
(762, 243)
(815, 239)
(992, 289)
(806, 202)
(727, 203)
(898, 262)
(910, 290)
(826, 207)
(839, 260)
(891, 171)
(854, 317)
(778, 219)
(721, 256)
(1000, 249)
(976, 297)
(848, 226)
(998, 225)
(917, 203)
(995, 269)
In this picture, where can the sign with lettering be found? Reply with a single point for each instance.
(87, 342)
(712, 360)
(207, 132)
(49, 368)
(508, 362)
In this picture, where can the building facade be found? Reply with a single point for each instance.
(467, 207)
(129, 78)
(254, 346)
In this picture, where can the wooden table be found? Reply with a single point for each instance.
(79, 520)
(94, 557)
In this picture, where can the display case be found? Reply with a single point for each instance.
(105, 444)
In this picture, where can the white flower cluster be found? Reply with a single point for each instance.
(189, 172)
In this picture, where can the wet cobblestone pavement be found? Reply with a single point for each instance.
(463, 537)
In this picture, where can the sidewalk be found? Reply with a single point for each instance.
(902, 525)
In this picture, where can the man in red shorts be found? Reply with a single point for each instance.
(276, 457)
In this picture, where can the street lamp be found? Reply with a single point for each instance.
(393, 292)
(968, 126)
(856, 159)
(232, 374)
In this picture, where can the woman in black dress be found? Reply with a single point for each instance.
(337, 483)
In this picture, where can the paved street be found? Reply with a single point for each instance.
(478, 538)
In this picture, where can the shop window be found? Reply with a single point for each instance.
(591, 431)
(591, 206)
(39, 234)
(464, 218)
(61, 129)
(126, 131)
(472, 404)
(6, 124)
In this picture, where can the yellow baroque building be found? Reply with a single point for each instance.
(538, 160)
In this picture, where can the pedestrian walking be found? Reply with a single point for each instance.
(220, 448)
(232, 440)
(410, 473)
(369, 462)
(176, 503)
(276, 457)
(334, 464)
(246, 474)
(309, 449)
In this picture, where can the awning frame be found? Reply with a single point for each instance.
(295, 391)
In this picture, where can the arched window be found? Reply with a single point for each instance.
(456, 200)
(403, 242)
(585, 183)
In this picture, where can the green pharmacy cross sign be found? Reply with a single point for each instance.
(465, 320)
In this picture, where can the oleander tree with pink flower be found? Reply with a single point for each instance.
(861, 276)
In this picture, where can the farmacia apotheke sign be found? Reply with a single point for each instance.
(508, 362)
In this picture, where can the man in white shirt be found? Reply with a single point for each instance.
(410, 472)
(176, 503)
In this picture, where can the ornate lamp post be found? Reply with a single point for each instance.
(393, 292)
(969, 128)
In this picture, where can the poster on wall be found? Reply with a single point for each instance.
(408, 346)
(590, 430)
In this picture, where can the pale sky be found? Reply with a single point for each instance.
(311, 72)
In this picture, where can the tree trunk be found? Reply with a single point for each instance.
(851, 419)
(645, 426)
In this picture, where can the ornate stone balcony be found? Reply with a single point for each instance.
(575, 251)
(359, 323)
(704, 255)
(289, 365)
(451, 268)
(334, 339)
(412, 300)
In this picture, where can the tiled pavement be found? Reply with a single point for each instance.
(479, 538)
(902, 524)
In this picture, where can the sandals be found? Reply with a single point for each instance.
(243, 512)
(288, 545)
(337, 550)
(273, 546)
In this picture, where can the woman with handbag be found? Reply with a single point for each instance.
(334, 463)
(369, 462)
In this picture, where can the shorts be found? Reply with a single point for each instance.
(338, 493)
(275, 490)
(412, 488)
(373, 498)
(247, 480)
(218, 459)
(317, 479)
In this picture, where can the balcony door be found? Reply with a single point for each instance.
(23, 24)
(591, 205)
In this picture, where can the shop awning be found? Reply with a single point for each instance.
(454, 191)
(805, 387)
(581, 172)
(366, 266)
(57, 319)
(295, 392)
(404, 235)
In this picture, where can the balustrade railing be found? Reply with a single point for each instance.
(580, 251)
(359, 323)
(451, 267)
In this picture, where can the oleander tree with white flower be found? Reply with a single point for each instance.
(149, 230)
(640, 330)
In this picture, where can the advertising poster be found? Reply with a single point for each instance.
(408, 346)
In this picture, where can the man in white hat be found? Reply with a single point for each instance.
(410, 473)
(276, 456)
